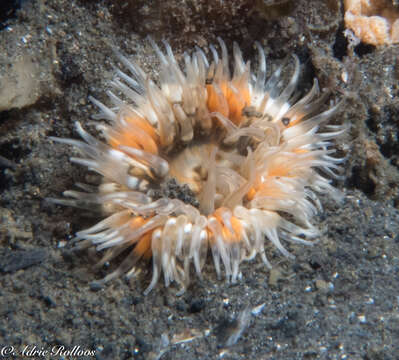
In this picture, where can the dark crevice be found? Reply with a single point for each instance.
(371, 123)
(308, 73)
(340, 47)
(385, 126)
(8, 10)
(363, 49)
(13, 150)
(362, 181)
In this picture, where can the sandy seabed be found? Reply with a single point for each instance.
(337, 300)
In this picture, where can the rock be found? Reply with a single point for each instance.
(20, 85)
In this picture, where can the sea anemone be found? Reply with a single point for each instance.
(249, 152)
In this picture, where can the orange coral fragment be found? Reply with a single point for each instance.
(374, 22)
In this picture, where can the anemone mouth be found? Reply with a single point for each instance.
(245, 148)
